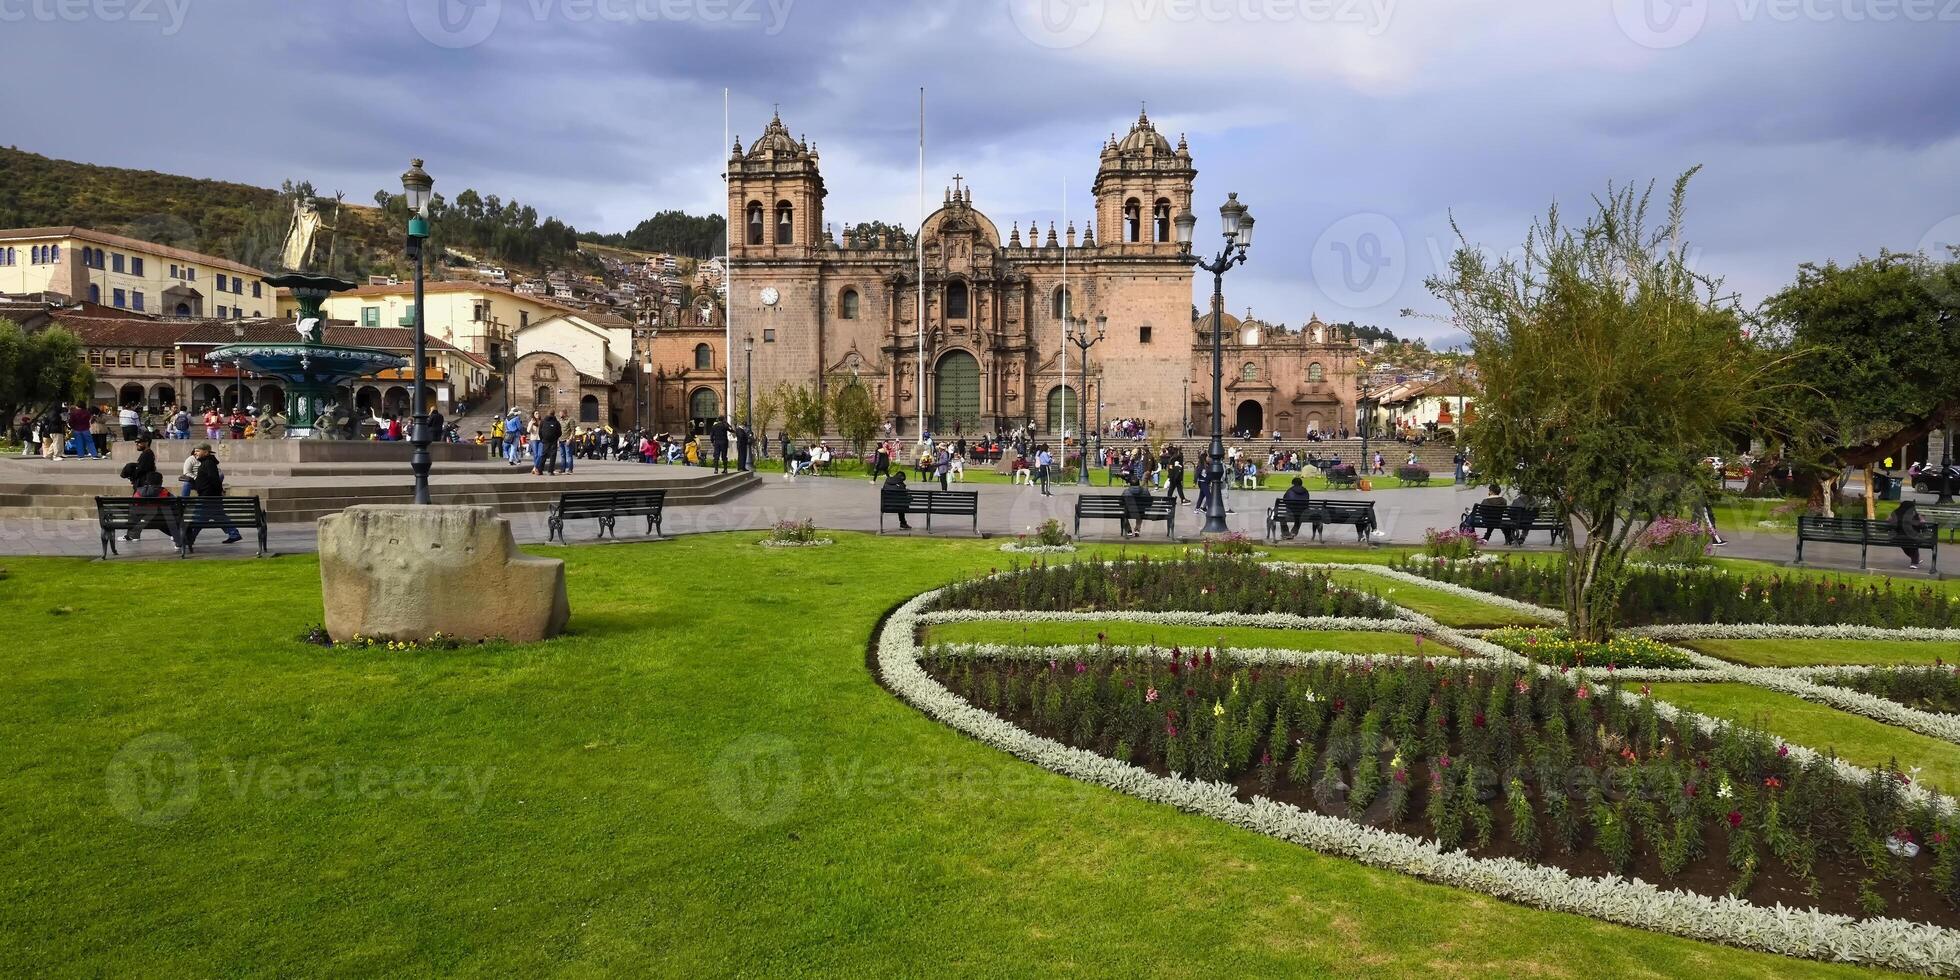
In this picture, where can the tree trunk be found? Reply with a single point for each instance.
(1589, 593)
(1871, 497)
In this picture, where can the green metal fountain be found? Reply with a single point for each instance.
(312, 369)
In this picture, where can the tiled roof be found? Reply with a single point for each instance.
(132, 244)
(408, 288)
(124, 332)
(131, 332)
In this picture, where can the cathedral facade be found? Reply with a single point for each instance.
(821, 309)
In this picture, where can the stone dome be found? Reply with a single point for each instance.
(776, 137)
(1143, 135)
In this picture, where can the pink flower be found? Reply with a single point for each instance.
(1150, 696)
(1646, 689)
(1584, 692)
(1735, 819)
(1782, 750)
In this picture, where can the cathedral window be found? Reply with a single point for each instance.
(956, 300)
(1250, 372)
(1161, 217)
(1316, 373)
(755, 222)
(704, 357)
(1132, 221)
(1062, 302)
(847, 305)
(784, 223)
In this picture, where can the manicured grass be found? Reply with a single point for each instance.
(703, 779)
(1859, 740)
(1749, 514)
(1151, 634)
(1443, 607)
(1808, 653)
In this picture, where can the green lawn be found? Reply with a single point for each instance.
(1808, 653)
(1765, 516)
(1859, 740)
(1444, 607)
(1134, 634)
(703, 779)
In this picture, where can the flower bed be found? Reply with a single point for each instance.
(1450, 544)
(1935, 689)
(1494, 762)
(1559, 649)
(1205, 584)
(794, 534)
(1674, 541)
(1652, 596)
(1786, 928)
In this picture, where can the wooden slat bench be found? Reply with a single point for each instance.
(606, 507)
(1115, 506)
(1864, 534)
(931, 503)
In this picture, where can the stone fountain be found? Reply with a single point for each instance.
(312, 369)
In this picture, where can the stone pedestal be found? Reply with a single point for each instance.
(406, 573)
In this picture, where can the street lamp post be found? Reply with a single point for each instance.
(1237, 226)
(1365, 420)
(416, 185)
(748, 391)
(1076, 331)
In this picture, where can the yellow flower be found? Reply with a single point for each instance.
(1217, 710)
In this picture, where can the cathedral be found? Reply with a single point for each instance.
(822, 309)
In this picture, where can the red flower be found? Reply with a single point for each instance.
(1477, 721)
(1690, 791)
(1782, 750)
(1773, 783)
(1401, 775)
(1735, 819)
(1340, 704)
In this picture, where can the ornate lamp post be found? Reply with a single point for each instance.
(238, 365)
(1075, 330)
(1364, 419)
(1237, 226)
(416, 185)
(748, 391)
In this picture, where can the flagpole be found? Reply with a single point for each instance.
(728, 278)
(1068, 304)
(919, 246)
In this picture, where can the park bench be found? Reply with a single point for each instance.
(118, 514)
(1943, 515)
(1520, 521)
(1116, 506)
(1358, 514)
(607, 507)
(1864, 534)
(931, 503)
(200, 513)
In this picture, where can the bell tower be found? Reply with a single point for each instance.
(775, 196)
(1141, 185)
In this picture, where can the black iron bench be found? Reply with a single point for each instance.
(1864, 534)
(606, 507)
(216, 512)
(124, 514)
(1284, 511)
(1116, 506)
(931, 503)
(1358, 514)
(1520, 521)
(1944, 515)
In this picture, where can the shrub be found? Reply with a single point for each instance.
(1453, 544)
(1050, 534)
(1674, 541)
(1926, 688)
(798, 532)
(1412, 474)
(1558, 648)
(1231, 545)
(1197, 583)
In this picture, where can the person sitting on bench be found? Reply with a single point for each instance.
(1495, 499)
(1292, 503)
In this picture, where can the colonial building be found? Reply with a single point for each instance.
(128, 274)
(995, 306)
(574, 363)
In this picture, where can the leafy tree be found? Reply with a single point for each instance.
(1608, 370)
(677, 233)
(856, 415)
(803, 411)
(768, 405)
(1884, 335)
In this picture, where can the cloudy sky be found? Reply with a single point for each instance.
(1355, 129)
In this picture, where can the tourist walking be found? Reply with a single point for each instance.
(942, 465)
(1174, 481)
(513, 437)
(1043, 460)
(209, 485)
(1906, 520)
(881, 460)
(138, 470)
(567, 446)
(131, 422)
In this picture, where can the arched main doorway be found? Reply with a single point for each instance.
(703, 407)
(1061, 409)
(206, 397)
(956, 392)
(163, 395)
(1251, 418)
(588, 408)
(131, 394)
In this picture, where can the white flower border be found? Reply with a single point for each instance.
(1808, 933)
(1779, 631)
(817, 543)
(1038, 549)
